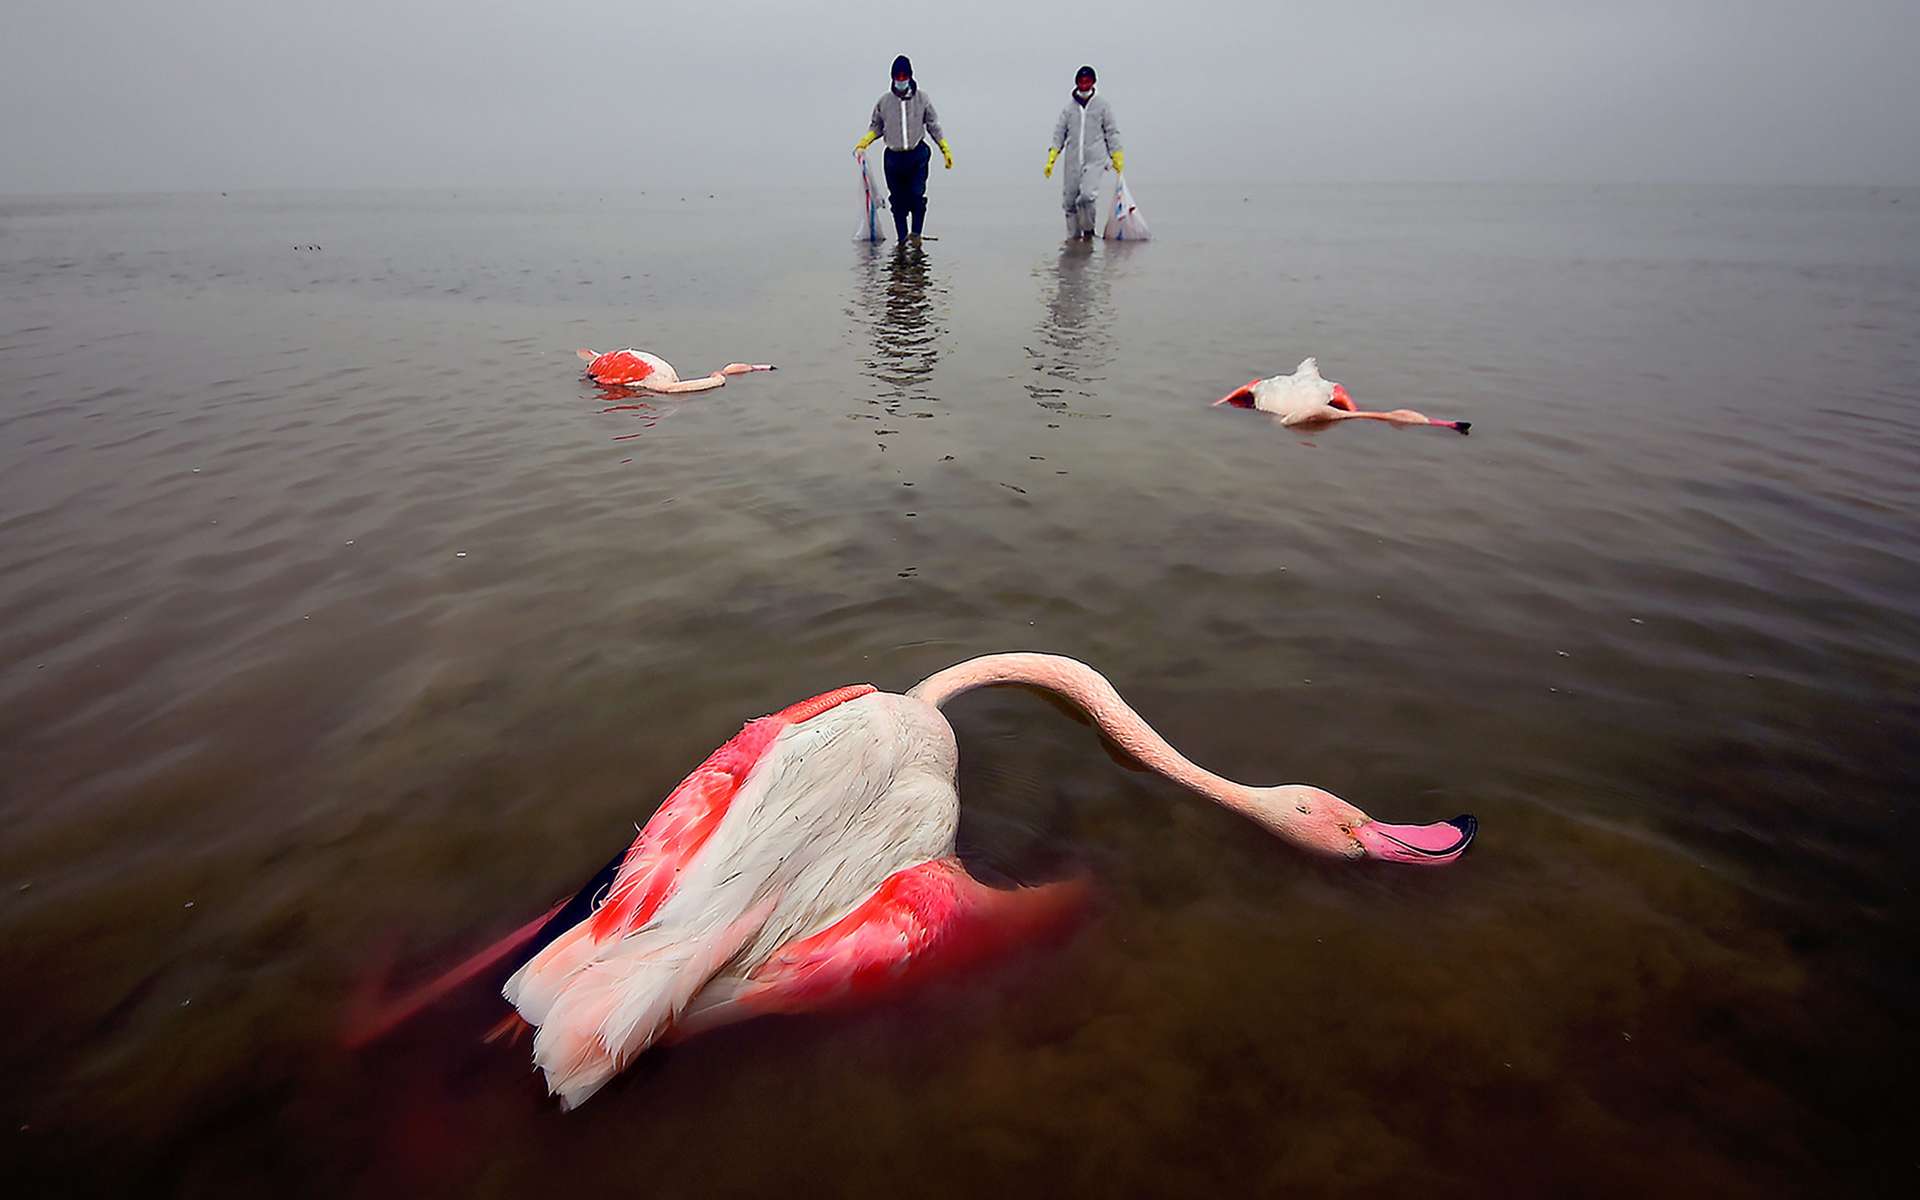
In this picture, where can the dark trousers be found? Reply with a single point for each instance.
(907, 187)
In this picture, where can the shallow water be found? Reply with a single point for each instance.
(1656, 622)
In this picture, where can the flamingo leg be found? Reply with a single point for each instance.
(372, 1014)
(922, 922)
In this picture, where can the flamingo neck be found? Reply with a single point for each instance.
(1090, 691)
(1401, 416)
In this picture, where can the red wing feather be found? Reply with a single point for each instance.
(688, 817)
(926, 919)
(619, 366)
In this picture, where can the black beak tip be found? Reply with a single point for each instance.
(1468, 825)
(1464, 427)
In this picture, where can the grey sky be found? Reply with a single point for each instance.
(216, 94)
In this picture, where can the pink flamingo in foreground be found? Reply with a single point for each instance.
(1303, 398)
(637, 368)
(809, 864)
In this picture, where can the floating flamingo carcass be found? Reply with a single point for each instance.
(637, 368)
(1304, 398)
(809, 864)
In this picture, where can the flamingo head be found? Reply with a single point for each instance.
(1319, 820)
(1341, 400)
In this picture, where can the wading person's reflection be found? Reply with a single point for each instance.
(1074, 338)
(905, 300)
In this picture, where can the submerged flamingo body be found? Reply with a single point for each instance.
(809, 864)
(637, 368)
(1304, 398)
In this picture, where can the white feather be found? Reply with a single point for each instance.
(1296, 397)
(834, 806)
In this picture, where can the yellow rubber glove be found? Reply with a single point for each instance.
(948, 151)
(1119, 161)
(1053, 152)
(866, 141)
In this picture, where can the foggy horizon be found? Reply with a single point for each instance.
(207, 96)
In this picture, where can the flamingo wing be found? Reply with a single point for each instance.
(604, 989)
(925, 919)
(641, 877)
(628, 367)
(649, 872)
(688, 817)
(1242, 396)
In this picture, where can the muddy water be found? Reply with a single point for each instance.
(342, 623)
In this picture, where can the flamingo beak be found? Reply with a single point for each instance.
(1341, 400)
(1423, 845)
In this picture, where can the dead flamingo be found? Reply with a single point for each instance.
(637, 368)
(809, 863)
(1303, 398)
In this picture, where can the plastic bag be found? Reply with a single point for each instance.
(1124, 223)
(873, 226)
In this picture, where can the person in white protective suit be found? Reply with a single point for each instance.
(1085, 139)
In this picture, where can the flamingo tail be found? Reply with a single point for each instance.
(622, 997)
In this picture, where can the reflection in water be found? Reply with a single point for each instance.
(626, 402)
(1658, 976)
(905, 303)
(1075, 340)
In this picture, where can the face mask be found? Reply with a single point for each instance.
(1083, 93)
(900, 86)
